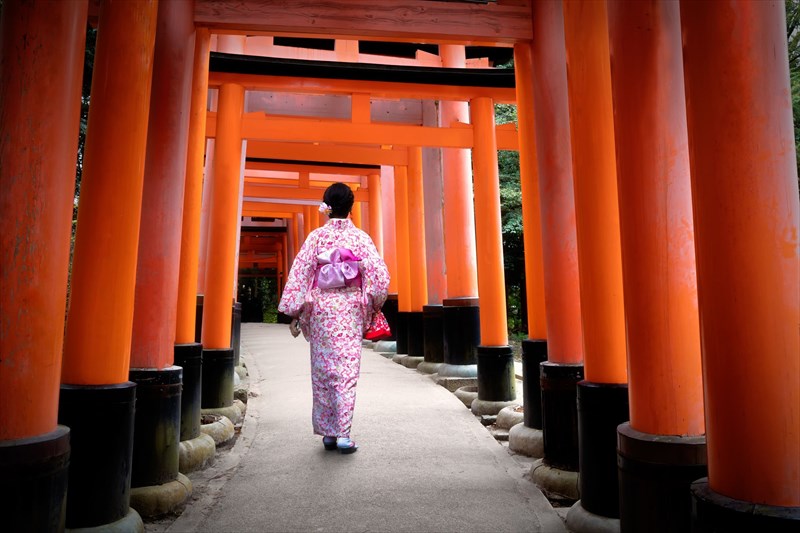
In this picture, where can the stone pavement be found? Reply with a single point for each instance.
(425, 463)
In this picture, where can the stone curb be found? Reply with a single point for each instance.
(467, 394)
(452, 384)
(221, 430)
(526, 441)
(130, 523)
(556, 484)
(161, 499)
(195, 453)
(387, 355)
(579, 520)
(484, 407)
(428, 368)
(410, 361)
(232, 412)
(508, 417)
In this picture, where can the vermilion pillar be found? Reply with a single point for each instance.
(375, 211)
(460, 312)
(218, 356)
(403, 260)
(389, 246)
(100, 317)
(418, 275)
(563, 368)
(662, 449)
(603, 396)
(158, 406)
(356, 215)
(747, 221)
(496, 377)
(534, 348)
(38, 121)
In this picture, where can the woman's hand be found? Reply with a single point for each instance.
(294, 329)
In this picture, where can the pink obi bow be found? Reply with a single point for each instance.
(338, 268)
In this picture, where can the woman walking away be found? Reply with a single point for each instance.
(336, 285)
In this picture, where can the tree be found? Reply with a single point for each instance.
(793, 38)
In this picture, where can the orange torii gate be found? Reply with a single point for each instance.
(744, 210)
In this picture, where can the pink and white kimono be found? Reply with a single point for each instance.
(336, 284)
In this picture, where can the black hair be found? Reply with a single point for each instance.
(339, 198)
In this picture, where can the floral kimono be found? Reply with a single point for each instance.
(336, 284)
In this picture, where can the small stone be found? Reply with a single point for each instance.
(488, 420)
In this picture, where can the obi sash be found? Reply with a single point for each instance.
(337, 267)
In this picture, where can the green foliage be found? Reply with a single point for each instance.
(258, 296)
(793, 38)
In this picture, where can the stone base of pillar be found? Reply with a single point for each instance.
(33, 481)
(369, 345)
(100, 418)
(489, 407)
(434, 334)
(156, 500)
(601, 408)
(402, 333)
(218, 427)
(416, 334)
(190, 358)
(509, 417)
(157, 426)
(454, 383)
(217, 378)
(496, 377)
(560, 414)
(388, 355)
(386, 346)
(236, 331)
(428, 368)
(194, 454)
(579, 520)
(467, 394)
(390, 312)
(198, 319)
(556, 483)
(713, 512)
(655, 475)
(233, 412)
(461, 332)
(534, 353)
(526, 441)
(410, 361)
(130, 523)
(458, 371)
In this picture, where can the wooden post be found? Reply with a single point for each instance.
(375, 211)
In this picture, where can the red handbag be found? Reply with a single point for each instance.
(378, 328)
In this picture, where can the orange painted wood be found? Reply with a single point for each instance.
(355, 215)
(158, 262)
(205, 208)
(529, 187)
(260, 127)
(377, 89)
(663, 334)
(596, 203)
(326, 153)
(37, 176)
(106, 243)
(488, 226)
(375, 211)
(389, 226)
(459, 214)
(402, 250)
(192, 200)
(557, 201)
(222, 235)
(416, 231)
(294, 193)
(417, 21)
(747, 222)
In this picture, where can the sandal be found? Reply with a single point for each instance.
(346, 446)
(329, 443)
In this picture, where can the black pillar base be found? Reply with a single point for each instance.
(157, 425)
(534, 353)
(236, 331)
(433, 333)
(190, 358)
(198, 319)
(416, 334)
(655, 474)
(217, 378)
(462, 332)
(713, 512)
(282, 318)
(560, 414)
(496, 376)
(390, 312)
(33, 481)
(402, 332)
(100, 418)
(601, 408)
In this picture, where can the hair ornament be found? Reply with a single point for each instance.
(325, 208)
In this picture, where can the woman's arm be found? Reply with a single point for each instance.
(300, 277)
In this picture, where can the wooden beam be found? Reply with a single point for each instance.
(329, 153)
(250, 206)
(321, 183)
(396, 20)
(316, 170)
(268, 128)
(293, 193)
